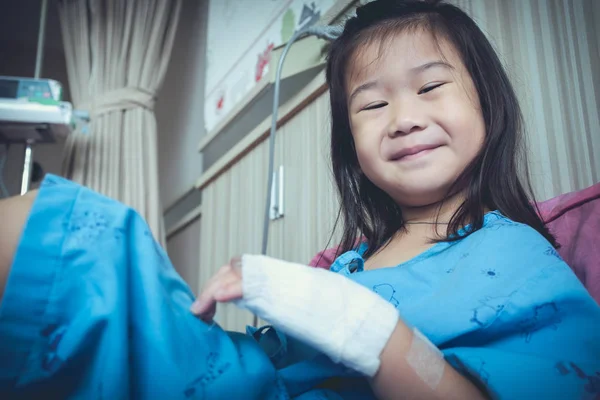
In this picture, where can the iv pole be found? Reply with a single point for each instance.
(28, 159)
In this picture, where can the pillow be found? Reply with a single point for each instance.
(573, 218)
(324, 258)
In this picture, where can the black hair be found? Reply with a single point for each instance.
(496, 179)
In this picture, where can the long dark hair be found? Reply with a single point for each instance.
(496, 179)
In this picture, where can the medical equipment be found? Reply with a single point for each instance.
(24, 120)
(31, 110)
(29, 122)
(41, 90)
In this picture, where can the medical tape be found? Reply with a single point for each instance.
(426, 360)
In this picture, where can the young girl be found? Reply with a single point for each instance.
(456, 291)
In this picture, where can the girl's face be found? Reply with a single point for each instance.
(415, 116)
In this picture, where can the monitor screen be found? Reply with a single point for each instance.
(8, 88)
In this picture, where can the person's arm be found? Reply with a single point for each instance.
(357, 328)
(13, 215)
(397, 379)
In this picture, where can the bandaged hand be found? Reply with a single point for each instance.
(342, 319)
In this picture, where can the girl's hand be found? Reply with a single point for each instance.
(224, 286)
(329, 312)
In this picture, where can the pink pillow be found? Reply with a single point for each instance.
(324, 258)
(574, 219)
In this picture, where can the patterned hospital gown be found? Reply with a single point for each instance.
(93, 309)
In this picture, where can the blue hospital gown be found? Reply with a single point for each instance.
(93, 309)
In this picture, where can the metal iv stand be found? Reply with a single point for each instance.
(28, 159)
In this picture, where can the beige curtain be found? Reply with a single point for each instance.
(551, 49)
(117, 53)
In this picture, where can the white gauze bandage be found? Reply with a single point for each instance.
(342, 319)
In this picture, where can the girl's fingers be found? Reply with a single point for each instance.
(207, 312)
(203, 305)
(226, 282)
(214, 283)
(230, 291)
(236, 263)
(205, 302)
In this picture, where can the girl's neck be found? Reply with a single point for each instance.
(423, 225)
(433, 214)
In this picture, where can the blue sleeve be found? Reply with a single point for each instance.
(542, 339)
(93, 309)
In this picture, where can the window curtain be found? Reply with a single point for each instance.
(551, 49)
(117, 52)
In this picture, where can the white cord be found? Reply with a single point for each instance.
(323, 32)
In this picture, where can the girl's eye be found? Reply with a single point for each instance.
(429, 88)
(374, 106)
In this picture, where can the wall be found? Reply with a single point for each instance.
(241, 36)
(19, 26)
(182, 248)
(180, 119)
(180, 105)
